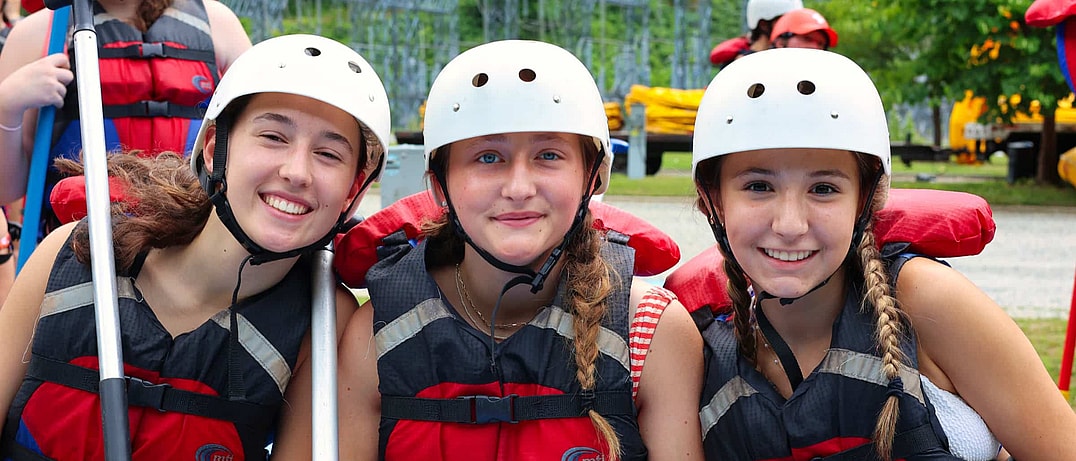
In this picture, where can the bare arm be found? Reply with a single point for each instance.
(27, 81)
(229, 38)
(19, 315)
(670, 385)
(360, 401)
(295, 435)
(969, 345)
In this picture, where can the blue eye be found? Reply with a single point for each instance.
(487, 157)
(547, 155)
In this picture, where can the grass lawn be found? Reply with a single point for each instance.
(1048, 337)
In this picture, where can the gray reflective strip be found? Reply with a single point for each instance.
(409, 324)
(188, 19)
(259, 347)
(80, 295)
(866, 367)
(609, 343)
(725, 397)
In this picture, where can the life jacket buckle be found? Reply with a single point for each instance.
(489, 409)
(152, 50)
(146, 394)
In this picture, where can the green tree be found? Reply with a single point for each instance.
(958, 45)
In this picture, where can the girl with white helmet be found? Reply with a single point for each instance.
(829, 354)
(214, 291)
(515, 330)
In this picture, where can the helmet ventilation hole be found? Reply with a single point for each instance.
(527, 75)
(756, 90)
(728, 121)
(456, 107)
(480, 80)
(354, 67)
(556, 99)
(834, 115)
(805, 88)
(311, 51)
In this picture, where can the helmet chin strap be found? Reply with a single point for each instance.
(527, 275)
(217, 187)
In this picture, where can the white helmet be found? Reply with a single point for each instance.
(791, 98)
(306, 65)
(289, 64)
(516, 86)
(766, 10)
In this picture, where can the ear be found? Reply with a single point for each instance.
(210, 144)
(353, 193)
(436, 188)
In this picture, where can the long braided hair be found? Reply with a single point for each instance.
(590, 282)
(877, 295)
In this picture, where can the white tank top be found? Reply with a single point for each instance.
(969, 438)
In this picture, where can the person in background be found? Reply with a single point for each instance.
(803, 28)
(761, 15)
(7, 258)
(515, 330)
(160, 61)
(214, 287)
(832, 350)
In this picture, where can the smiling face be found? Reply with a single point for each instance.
(291, 172)
(516, 194)
(789, 214)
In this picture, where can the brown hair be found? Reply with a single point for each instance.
(164, 206)
(589, 285)
(877, 293)
(149, 11)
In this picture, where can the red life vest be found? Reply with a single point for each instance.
(185, 402)
(442, 399)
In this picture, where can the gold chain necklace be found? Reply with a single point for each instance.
(469, 307)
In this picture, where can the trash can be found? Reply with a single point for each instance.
(1023, 160)
(404, 173)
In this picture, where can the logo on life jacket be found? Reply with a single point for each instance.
(202, 84)
(213, 452)
(582, 454)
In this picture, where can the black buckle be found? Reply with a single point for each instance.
(489, 409)
(155, 108)
(146, 394)
(152, 50)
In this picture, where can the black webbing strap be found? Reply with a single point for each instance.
(152, 109)
(482, 409)
(15, 452)
(156, 50)
(780, 347)
(163, 397)
(905, 445)
(703, 317)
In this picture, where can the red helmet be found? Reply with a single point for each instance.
(802, 22)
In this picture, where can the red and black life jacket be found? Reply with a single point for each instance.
(155, 86)
(446, 395)
(210, 394)
(830, 415)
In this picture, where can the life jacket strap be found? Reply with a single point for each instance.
(156, 50)
(162, 397)
(483, 409)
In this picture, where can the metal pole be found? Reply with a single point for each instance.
(323, 346)
(113, 386)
